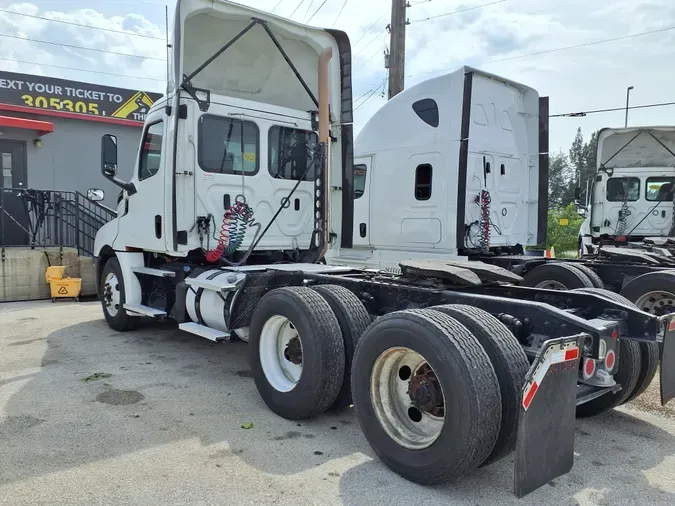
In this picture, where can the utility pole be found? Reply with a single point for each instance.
(397, 45)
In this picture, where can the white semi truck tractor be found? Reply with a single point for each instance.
(243, 185)
(456, 168)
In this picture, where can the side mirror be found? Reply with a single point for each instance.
(577, 193)
(109, 155)
(95, 194)
(109, 163)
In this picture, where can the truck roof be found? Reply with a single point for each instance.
(390, 126)
(252, 68)
(647, 146)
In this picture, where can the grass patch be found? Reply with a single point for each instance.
(97, 376)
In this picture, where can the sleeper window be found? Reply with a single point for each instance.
(151, 151)
(291, 153)
(228, 145)
(623, 188)
(360, 172)
(427, 110)
(423, 175)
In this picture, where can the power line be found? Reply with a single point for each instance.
(301, 2)
(309, 6)
(596, 111)
(80, 70)
(458, 11)
(377, 35)
(80, 47)
(556, 49)
(316, 11)
(371, 93)
(370, 58)
(81, 25)
(369, 29)
(339, 13)
(277, 5)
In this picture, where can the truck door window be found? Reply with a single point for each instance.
(291, 152)
(228, 145)
(623, 188)
(423, 175)
(151, 151)
(659, 189)
(359, 180)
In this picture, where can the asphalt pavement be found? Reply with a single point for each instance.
(155, 416)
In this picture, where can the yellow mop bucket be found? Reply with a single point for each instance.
(62, 287)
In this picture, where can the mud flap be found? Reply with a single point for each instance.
(545, 448)
(667, 368)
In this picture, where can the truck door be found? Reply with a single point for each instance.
(502, 160)
(144, 222)
(659, 195)
(362, 182)
(622, 209)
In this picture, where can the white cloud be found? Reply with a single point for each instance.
(592, 77)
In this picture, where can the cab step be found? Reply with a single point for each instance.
(204, 331)
(160, 273)
(145, 310)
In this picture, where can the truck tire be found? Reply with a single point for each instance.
(113, 298)
(627, 376)
(591, 274)
(649, 352)
(353, 319)
(296, 352)
(430, 357)
(556, 276)
(653, 292)
(510, 364)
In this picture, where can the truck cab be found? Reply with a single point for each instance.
(448, 166)
(631, 195)
(248, 93)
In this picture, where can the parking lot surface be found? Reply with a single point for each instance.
(91, 416)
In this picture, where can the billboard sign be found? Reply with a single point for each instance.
(60, 97)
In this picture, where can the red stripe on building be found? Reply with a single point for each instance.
(70, 115)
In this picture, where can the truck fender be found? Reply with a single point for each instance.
(132, 287)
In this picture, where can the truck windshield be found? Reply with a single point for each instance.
(659, 189)
(623, 188)
(290, 153)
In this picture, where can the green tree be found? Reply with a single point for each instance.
(560, 184)
(563, 229)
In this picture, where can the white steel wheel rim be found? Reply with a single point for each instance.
(278, 336)
(657, 302)
(550, 284)
(393, 405)
(111, 294)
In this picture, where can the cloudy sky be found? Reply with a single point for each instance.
(499, 38)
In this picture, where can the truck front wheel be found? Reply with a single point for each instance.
(112, 298)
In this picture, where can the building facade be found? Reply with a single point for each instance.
(50, 134)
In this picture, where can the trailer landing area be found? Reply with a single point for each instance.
(91, 416)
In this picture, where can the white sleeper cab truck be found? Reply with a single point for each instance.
(448, 165)
(630, 200)
(456, 168)
(244, 182)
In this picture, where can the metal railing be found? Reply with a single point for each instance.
(49, 218)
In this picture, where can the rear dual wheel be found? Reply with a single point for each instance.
(428, 394)
(562, 276)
